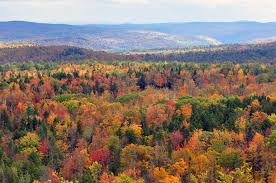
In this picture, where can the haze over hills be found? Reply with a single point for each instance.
(126, 37)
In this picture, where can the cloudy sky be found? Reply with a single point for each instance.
(136, 11)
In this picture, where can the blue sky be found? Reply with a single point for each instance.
(137, 11)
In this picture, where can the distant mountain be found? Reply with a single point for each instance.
(127, 37)
(261, 53)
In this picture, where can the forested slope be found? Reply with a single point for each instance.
(53, 53)
(228, 53)
(262, 53)
(137, 122)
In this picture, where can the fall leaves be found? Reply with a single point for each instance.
(137, 122)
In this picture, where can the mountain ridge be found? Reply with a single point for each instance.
(127, 37)
(260, 53)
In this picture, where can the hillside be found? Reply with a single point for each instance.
(265, 53)
(126, 37)
(53, 53)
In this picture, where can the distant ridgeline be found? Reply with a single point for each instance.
(265, 53)
(53, 53)
(127, 37)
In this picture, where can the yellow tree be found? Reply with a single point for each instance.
(29, 143)
(136, 157)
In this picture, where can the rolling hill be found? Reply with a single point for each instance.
(126, 37)
(238, 53)
(54, 53)
(262, 53)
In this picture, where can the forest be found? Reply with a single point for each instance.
(22, 53)
(135, 122)
(243, 53)
(236, 53)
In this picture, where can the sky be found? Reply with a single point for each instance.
(137, 11)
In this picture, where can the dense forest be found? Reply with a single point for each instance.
(52, 53)
(251, 53)
(227, 53)
(134, 122)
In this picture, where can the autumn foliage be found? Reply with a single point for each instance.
(137, 122)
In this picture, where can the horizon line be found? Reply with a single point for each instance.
(135, 23)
